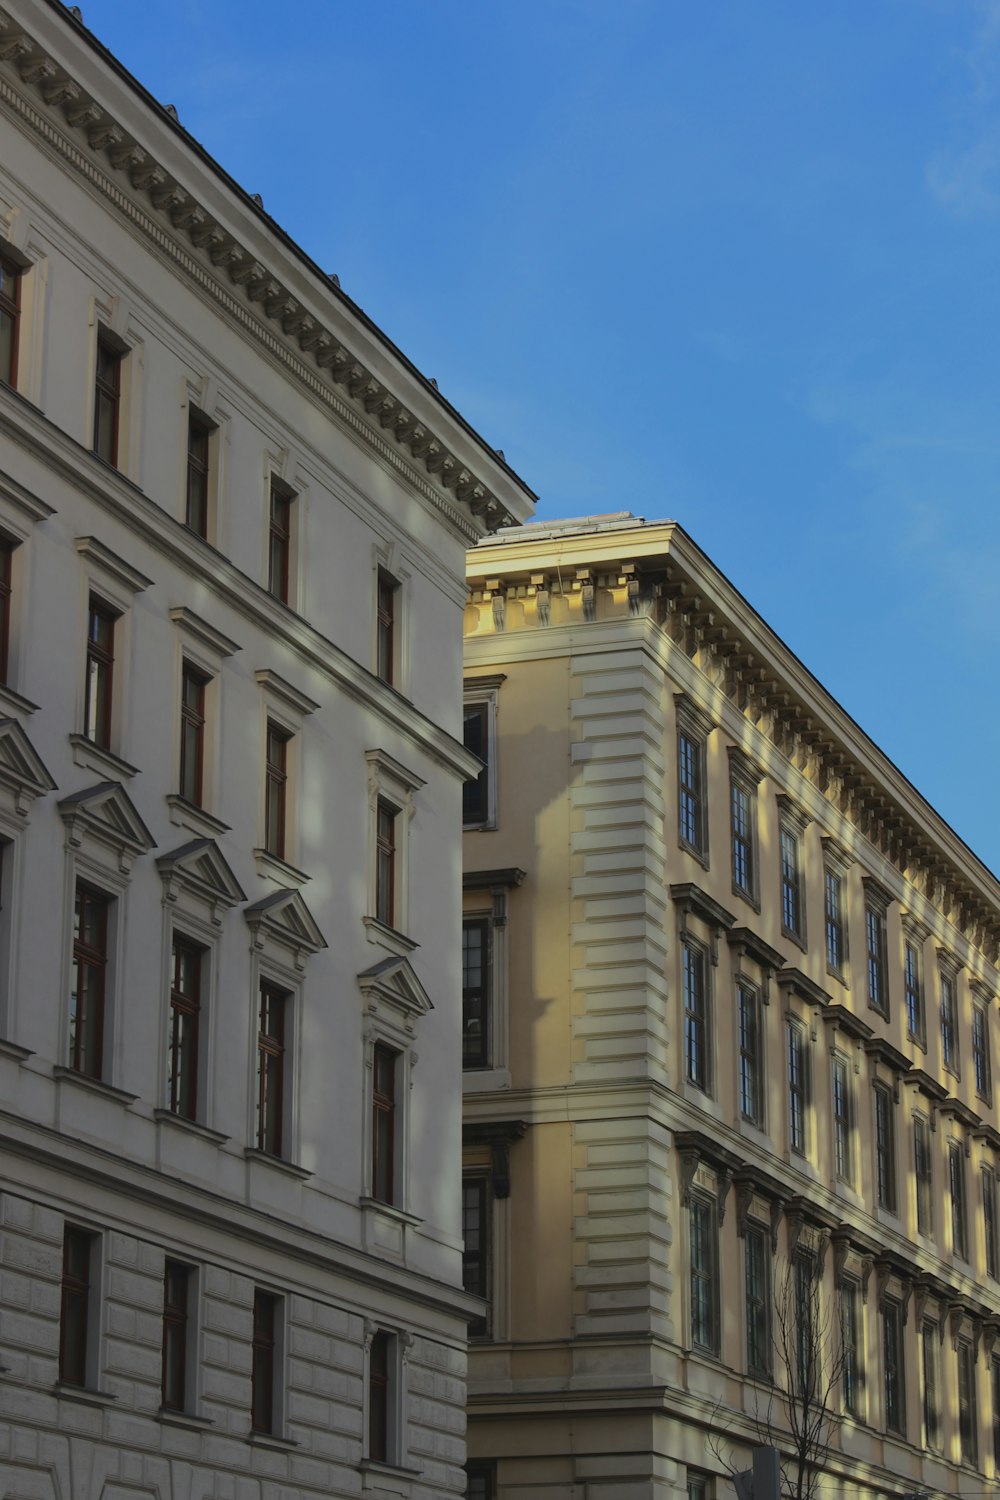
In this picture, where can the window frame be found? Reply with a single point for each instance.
(757, 1300)
(281, 528)
(387, 623)
(96, 959)
(99, 675)
(852, 1348)
(968, 1417)
(691, 811)
(482, 694)
(991, 1240)
(698, 1060)
(923, 1175)
(750, 1052)
(797, 1063)
(958, 1200)
(385, 1185)
(834, 924)
(185, 1036)
(392, 785)
(981, 1062)
(950, 1050)
(271, 1114)
(792, 893)
(386, 871)
(893, 1368)
(108, 396)
(884, 1139)
(842, 1113)
(477, 1265)
(194, 719)
(930, 1377)
(913, 992)
(10, 307)
(199, 467)
(703, 1301)
(79, 1308)
(876, 957)
(179, 1339)
(266, 1368)
(482, 1058)
(276, 773)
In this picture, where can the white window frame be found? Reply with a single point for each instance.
(201, 646)
(202, 394)
(388, 557)
(394, 784)
(288, 708)
(110, 315)
(397, 1425)
(115, 582)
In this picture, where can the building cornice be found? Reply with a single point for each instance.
(127, 148)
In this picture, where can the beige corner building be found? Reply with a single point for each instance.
(729, 999)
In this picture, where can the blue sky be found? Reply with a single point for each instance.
(733, 264)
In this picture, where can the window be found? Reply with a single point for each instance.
(956, 1184)
(851, 1366)
(279, 551)
(743, 810)
(200, 431)
(757, 1265)
(385, 863)
(476, 1246)
(100, 673)
(885, 1148)
(270, 1104)
(10, 317)
(751, 1069)
(691, 793)
(187, 960)
(914, 987)
(842, 1125)
(796, 1087)
(384, 1123)
(697, 1486)
(929, 1342)
(6, 562)
(989, 1187)
(696, 1039)
(264, 1389)
(833, 887)
(385, 658)
(923, 1173)
(107, 399)
(981, 1052)
(704, 1274)
(949, 1023)
(792, 923)
(391, 807)
(90, 972)
(475, 794)
(74, 1321)
(193, 684)
(892, 1366)
(806, 1333)
(968, 1417)
(381, 1362)
(276, 789)
(878, 990)
(480, 1479)
(476, 1017)
(176, 1316)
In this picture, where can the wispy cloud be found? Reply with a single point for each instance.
(965, 178)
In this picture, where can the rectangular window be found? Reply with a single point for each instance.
(878, 991)
(695, 1016)
(90, 975)
(704, 1274)
(995, 1384)
(276, 789)
(744, 841)
(475, 1247)
(959, 1216)
(796, 1087)
(929, 1343)
(476, 1017)
(791, 886)
(949, 1024)
(842, 1124)
(989, 1187)
(806, 1351)
(751, 1070)
(6, 569)
(107, 399)
(757, 1258)
(10, 318)
(968, 1417)
(264, 1370)
(476, 794)
(100, 673)
(885, 1148)
(74, 1319)
(981, 1053)
(200, 431)
(193, 684)
(697, 1486)
(691, 793)
(914, 987)
(185, 1015)
(833, 887)
(892, 1367)
(279, 551)
(384, 1123)
(381, 1359)
(176, 1305)
(851, 1368)
(923, 1173)
(270, 1104)
(385, 863)
(387, 591)
(480, 1479)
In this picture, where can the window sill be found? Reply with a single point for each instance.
(13, 1051)
(271, 1440)
(193, 1127)
(375, 1474)
(840, 975)
(84, 1394)
(390, 1210)
(185, 814)
(796, 938)
(917, 1041)
(12, 703)
(396, 942)
(488, 825)
(752, 900)
(273, 867)
(697, 854)
(188, 1419)
(95, 1085)
(253, 1154)
(95, 758)
(485, 1080)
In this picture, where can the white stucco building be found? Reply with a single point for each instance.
(233, 522)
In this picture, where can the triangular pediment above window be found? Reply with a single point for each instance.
(284, 918)
(393, 982)
(22, 771)
(199, 869)
(107, 813)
